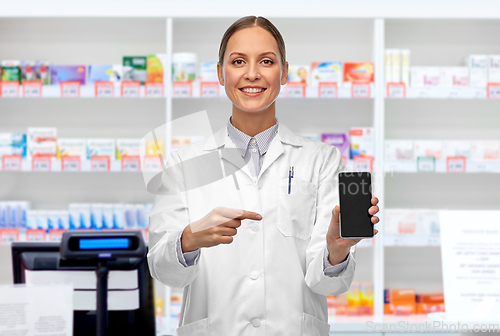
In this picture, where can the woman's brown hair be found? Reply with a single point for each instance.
(252, 21)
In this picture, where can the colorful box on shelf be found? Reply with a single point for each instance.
(405, 302)
(357, 301)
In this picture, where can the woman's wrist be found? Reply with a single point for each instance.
(186, 241)
(337, 254)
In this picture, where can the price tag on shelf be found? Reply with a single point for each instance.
(493, 90)
(154, 90)
(7, 236)
(104, 89)
(10, 89)
(131, 164)
(479, 93)
(56, 235)
(41, 163)
(209, 89)
(70, 163)
(35, 235)
(363, 163)
(152, 164)
(295, 89)
(422, 93)
(455, 164)
(453, 93)
(130, 89)
(183, 89)
(426, 164)
(328, 90)
(433, 241)
(70, 89)
(100, 163)
(360, 90)
(396, 90)
(32, 89)
(12, 162)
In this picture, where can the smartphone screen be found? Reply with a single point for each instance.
(355, 193)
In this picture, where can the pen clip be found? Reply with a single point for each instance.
(291, 170)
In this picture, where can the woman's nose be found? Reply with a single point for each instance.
(252, 73)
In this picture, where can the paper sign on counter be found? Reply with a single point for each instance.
(470, 252)
(36, 310)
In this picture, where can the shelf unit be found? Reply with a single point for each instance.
(76, 34)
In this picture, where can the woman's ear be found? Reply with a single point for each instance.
(284, 74)
(220, 74)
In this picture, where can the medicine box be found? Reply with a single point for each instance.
(72, 147)
(358, 73)
(362, 142)
(457, 148)
(208, 72)
(299, 73)
(428, 148)
(425, 76)
(107, 73)
(454, 76)
(494, 69)
(398, 150)
(326, 72)
(101, 147)
(478, 70)
(68, 73)
(485, 150)
(339, 140)
(127, 147)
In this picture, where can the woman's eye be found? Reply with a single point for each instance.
(238, 62)
(267, 62)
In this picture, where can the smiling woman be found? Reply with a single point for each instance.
(252, 67)
(269, 230)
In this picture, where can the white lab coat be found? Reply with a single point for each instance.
(270, 279)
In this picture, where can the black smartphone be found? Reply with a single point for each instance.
(355, 194)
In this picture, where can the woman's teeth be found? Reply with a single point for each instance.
(252, 90)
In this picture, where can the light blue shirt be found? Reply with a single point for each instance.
(253, 149)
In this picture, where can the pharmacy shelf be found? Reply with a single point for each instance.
(441, 166)
(55, 165)
(445, 93)
(372, 324)
(412, 240)
(185, 92)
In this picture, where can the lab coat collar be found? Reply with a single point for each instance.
(221, 138)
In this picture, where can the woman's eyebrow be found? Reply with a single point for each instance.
(243, 54)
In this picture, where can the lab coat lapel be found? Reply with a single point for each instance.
(276, 147)
(232, 159)
(273, 153)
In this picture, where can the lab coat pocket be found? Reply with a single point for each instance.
(312, 326)
(197, 328)
(297, 209)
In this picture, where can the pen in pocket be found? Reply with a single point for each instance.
(290, 176)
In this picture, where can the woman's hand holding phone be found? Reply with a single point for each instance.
(217, 227)
(339, 247)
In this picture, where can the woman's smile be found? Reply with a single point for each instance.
(252, 90)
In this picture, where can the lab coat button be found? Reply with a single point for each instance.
(256, 322)
(254, 150)
(255, 228)
(254, 275)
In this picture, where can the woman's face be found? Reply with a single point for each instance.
(252, 73)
